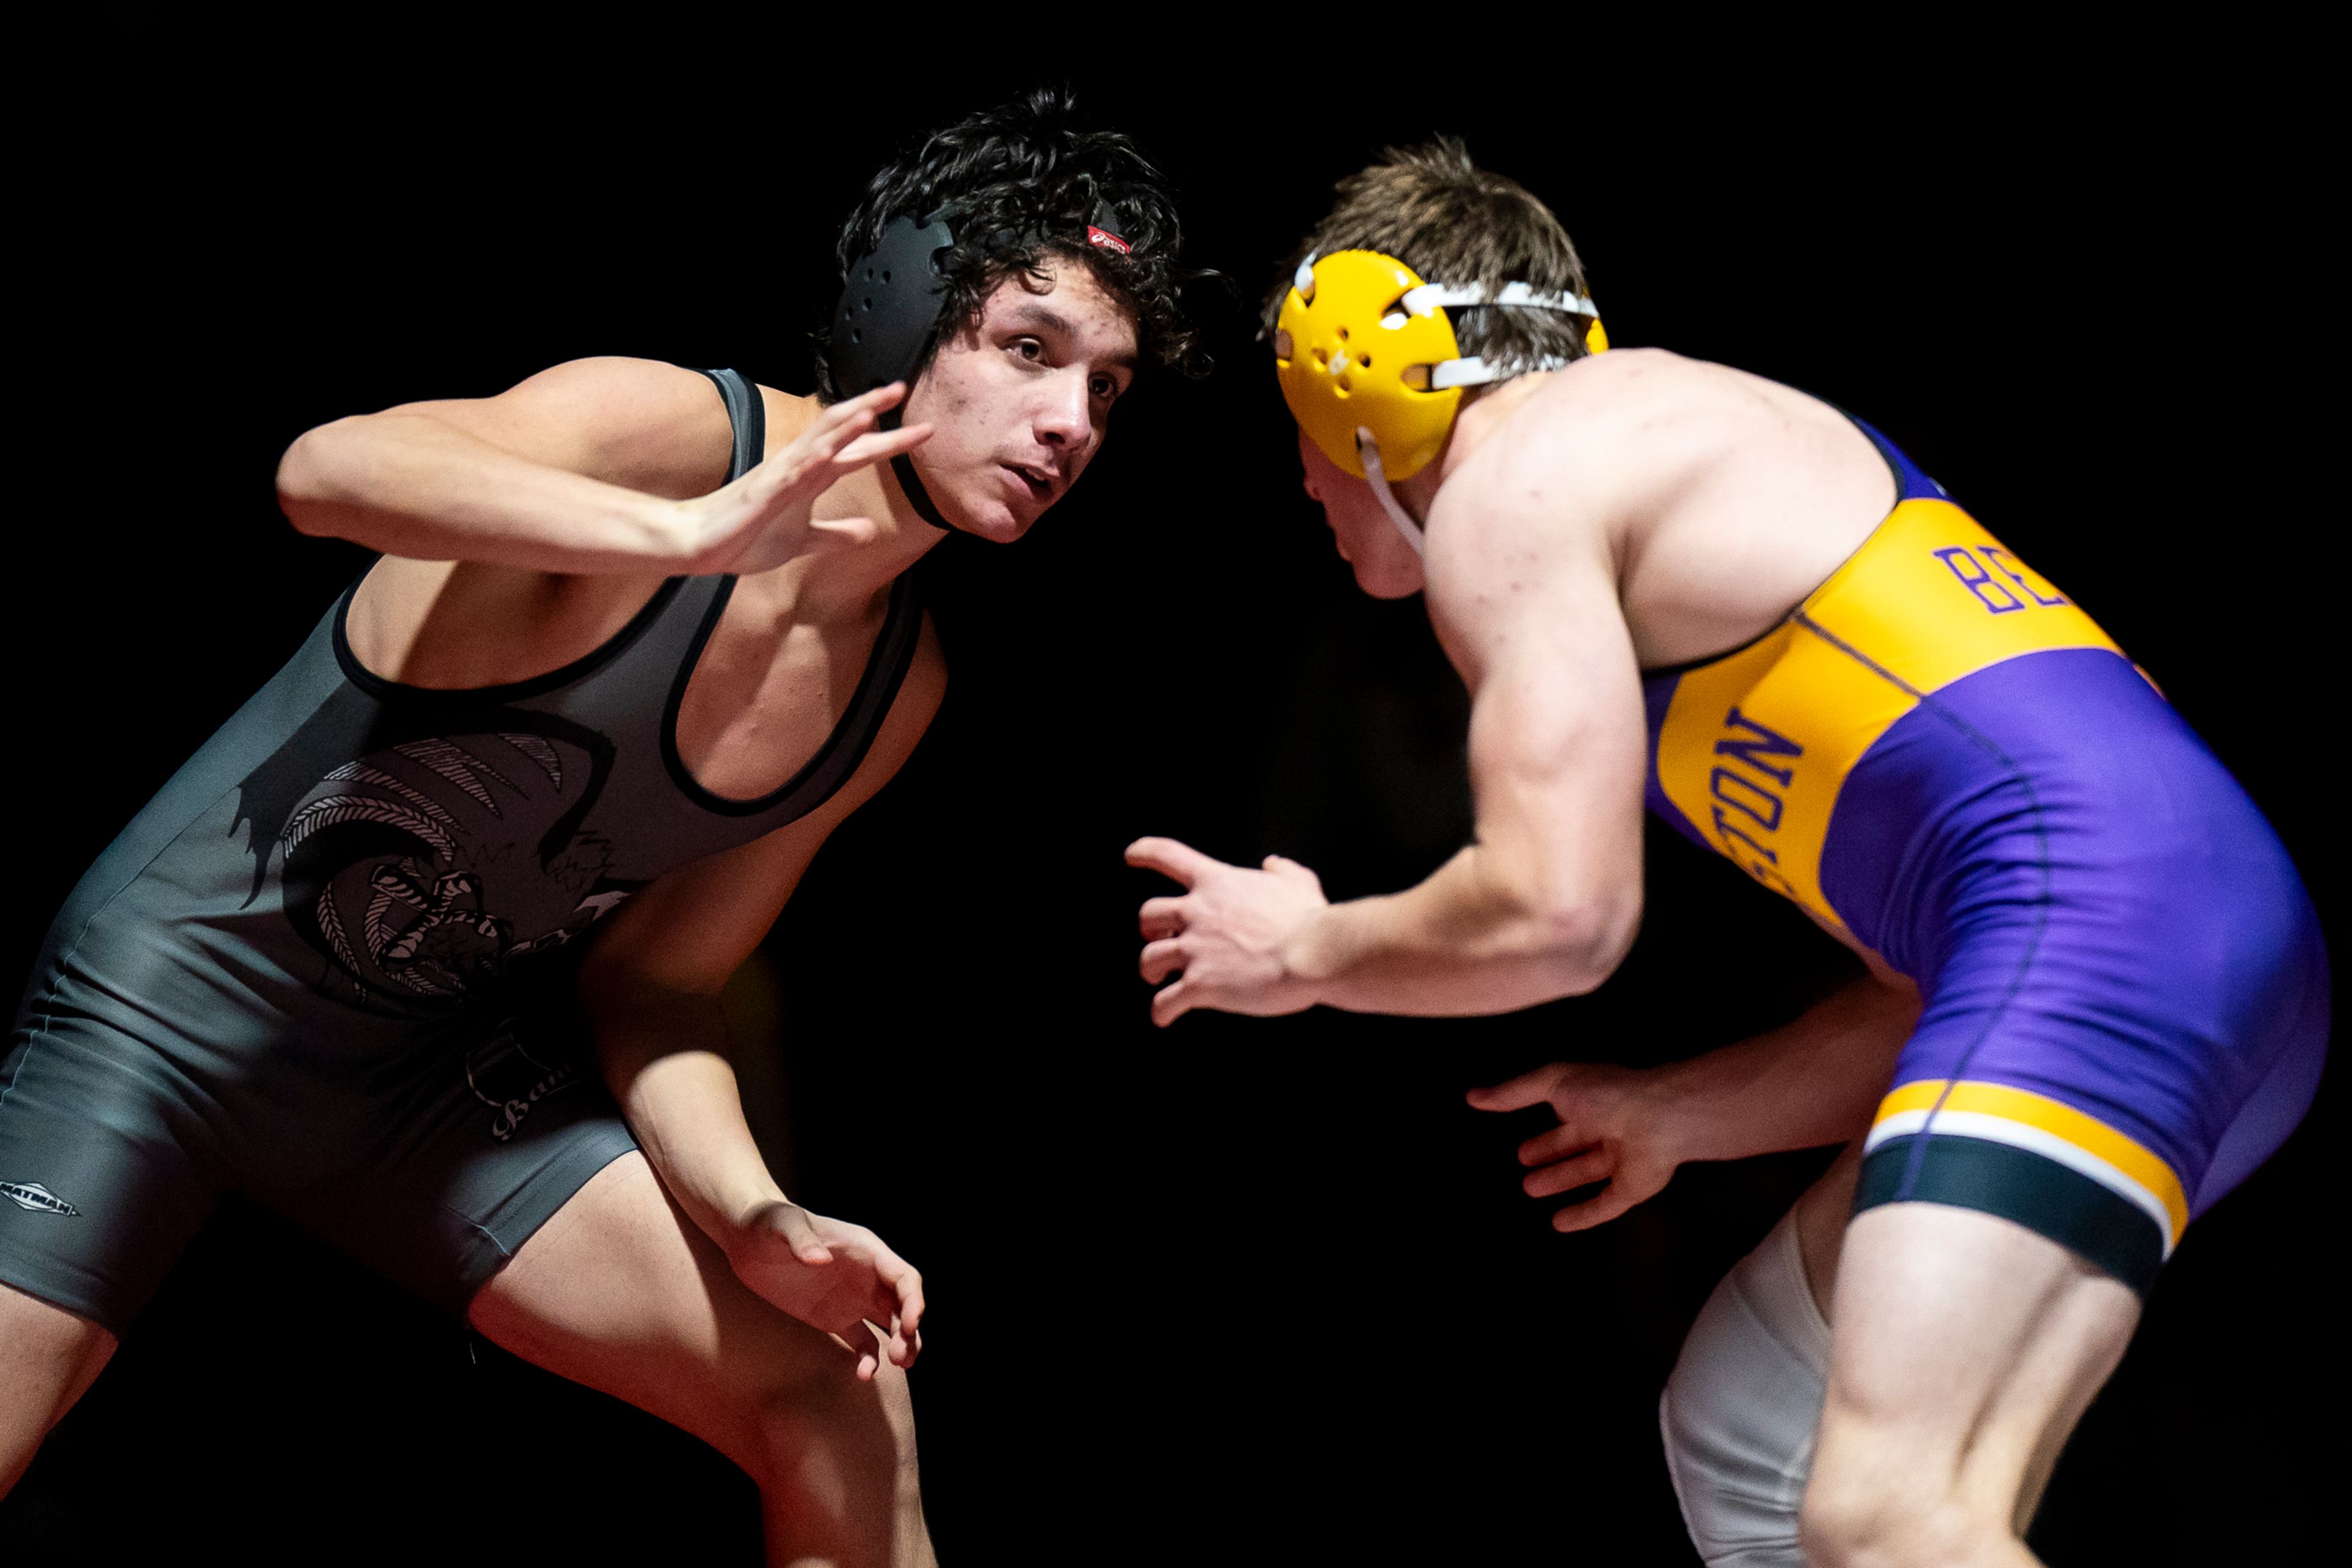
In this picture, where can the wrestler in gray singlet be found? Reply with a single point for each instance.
(327, 964)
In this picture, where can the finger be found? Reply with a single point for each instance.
(1162, 959)
(868, 406)
(1582, 1171)
(1174, 1002)
(1528, 1088)
(1162, 917)
(1180, 861)
(905, 1302)
(792, 1221)
(1598, 1210)
(873, 445)
(836, 428)
(1569, 1138)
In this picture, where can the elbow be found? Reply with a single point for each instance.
(307, 488)
(1583, 939)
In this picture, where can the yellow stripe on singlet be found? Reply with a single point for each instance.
(1755, 747)
(1977, 1110)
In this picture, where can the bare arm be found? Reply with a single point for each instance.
(652, 987)
(1810, 1082)
(598, 466)
(1545, 900)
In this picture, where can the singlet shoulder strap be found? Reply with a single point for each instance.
(748, 412)
(674, 625)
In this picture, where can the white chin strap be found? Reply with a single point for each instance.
(1368, 450)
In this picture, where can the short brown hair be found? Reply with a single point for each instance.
(1449, 220)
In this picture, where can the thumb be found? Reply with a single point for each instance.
(1518, 1093)
(792, 1221)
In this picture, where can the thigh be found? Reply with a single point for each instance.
(623, 1292)
(108, 1167)
(1964, 1349)
(48, 1356)
(439, 1165)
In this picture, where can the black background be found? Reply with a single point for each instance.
(1242, 1291)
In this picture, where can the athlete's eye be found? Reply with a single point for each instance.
(1105, 387)
(1029, 348)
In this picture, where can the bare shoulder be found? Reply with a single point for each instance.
(651, 427)
(1538, 492)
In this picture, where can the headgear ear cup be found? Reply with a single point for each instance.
(1350, 359)
(1372, 371)
(1361, 342)
(890, 303)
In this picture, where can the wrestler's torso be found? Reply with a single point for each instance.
(769, 685)
(353, 861)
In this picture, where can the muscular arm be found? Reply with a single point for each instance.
(1545, 902)
(1810, 1082)
(598, 466)
(652, 987)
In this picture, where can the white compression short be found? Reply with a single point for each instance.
(1740, 1411)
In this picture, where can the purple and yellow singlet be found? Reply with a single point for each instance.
(1939, 756)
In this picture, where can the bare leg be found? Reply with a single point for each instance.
(1821, 1214)
(1965, 1348)
(49, 1358)
(622, 1292)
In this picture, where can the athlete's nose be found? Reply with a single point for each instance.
(1064, 419)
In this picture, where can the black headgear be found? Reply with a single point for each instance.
(890, 312)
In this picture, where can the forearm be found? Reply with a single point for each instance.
(667, 1066)
(1466, 941)
(1811, 1083)
(408, 484)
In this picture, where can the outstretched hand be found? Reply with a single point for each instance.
(1223, 939)
(763, 519)
(834, 1277)
(1604, 1135)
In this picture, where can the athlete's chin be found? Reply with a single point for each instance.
(991, 519)
(1383, 580)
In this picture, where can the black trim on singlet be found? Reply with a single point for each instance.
(885, 667)
(747, 412)
(2096, 1223)
(587, 664)
(861, 716)
(747, 415)
(1886, 455)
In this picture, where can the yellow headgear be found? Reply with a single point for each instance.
(1362, 343)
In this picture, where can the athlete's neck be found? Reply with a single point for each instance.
(844, 582)
(1484, 410)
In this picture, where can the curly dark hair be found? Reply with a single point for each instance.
(1018, 182)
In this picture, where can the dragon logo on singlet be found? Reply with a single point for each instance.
(426, 868)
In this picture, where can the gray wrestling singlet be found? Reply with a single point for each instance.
(327, 963)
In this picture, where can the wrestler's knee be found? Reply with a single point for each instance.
(1871, 1503)
(811, 1418)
